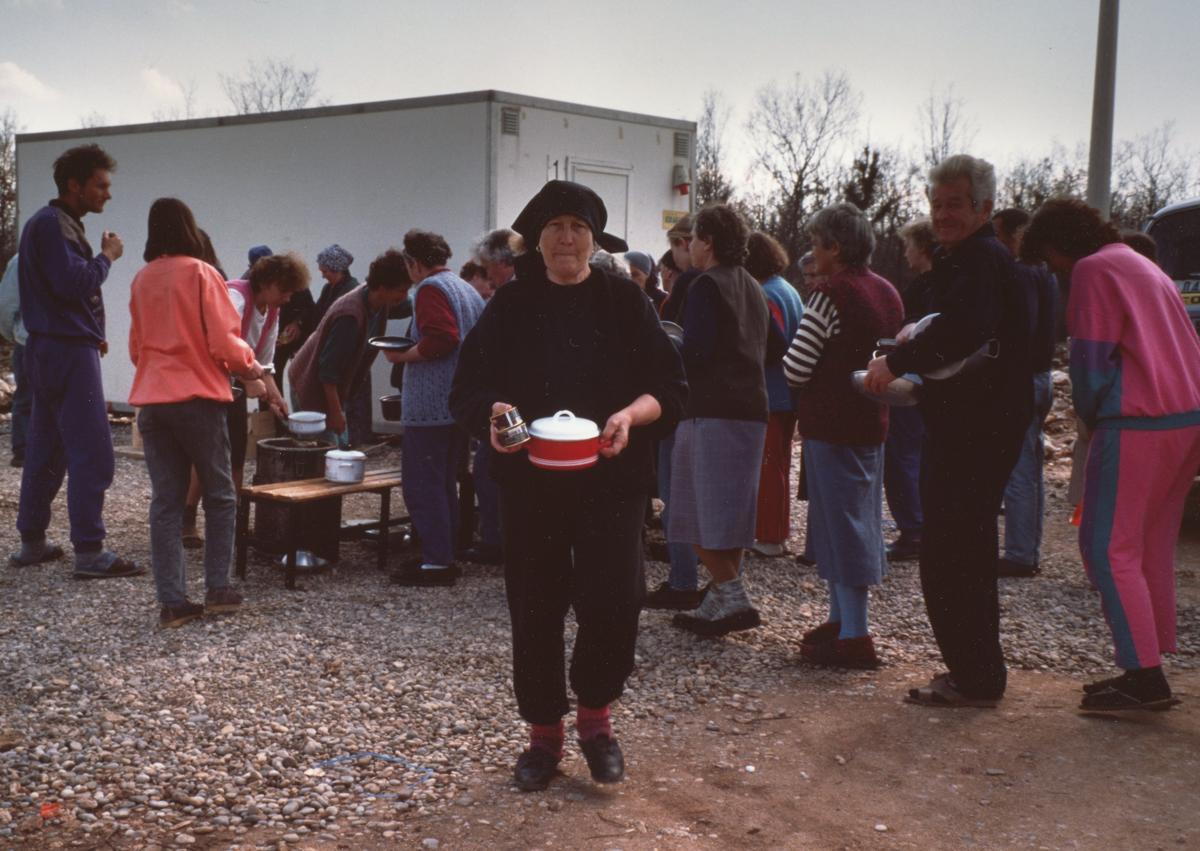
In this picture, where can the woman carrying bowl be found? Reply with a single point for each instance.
(843, 430)
(564, 336)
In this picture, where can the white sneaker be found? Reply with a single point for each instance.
(767, 550)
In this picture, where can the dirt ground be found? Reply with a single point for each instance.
(838, 761)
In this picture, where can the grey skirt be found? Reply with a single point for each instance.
(845, 512)
(714, 482)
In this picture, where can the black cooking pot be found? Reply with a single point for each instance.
(390, 406)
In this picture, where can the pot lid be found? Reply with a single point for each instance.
(564, 426)
(306, 417)
(346, 455)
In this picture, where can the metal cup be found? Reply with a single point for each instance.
(513, 435)
(507, 419)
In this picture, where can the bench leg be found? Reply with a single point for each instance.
(385, 528)
(292, 533)
(242, 533)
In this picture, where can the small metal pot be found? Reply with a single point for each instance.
(345, 466)
(390, 407)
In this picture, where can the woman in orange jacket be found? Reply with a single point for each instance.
(185, 342)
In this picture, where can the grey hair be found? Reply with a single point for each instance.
(980, 175)
(610, 263)
(845, 225)
(496, 246)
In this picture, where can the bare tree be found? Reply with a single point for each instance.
(796, 133)
(1030, 182)
(8, 185)
(93, 119)
(273, 86)
(712, 186)
(188, 108)
(880, 184)
(1150, 173)
(943, 126)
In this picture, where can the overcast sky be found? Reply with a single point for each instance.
(1023, 67)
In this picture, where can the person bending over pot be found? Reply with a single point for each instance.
(564, 336)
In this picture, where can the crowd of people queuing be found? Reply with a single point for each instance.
(554, 314)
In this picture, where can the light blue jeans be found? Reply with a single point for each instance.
(1025, 494)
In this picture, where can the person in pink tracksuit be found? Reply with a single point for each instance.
(1135, 382)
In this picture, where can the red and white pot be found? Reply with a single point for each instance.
(563, 442)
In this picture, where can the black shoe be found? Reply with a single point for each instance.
(666, 597)
(483, 554)
(1016, 570)
(658, 551)
(535, 769)
(804, 560)
(904, 548)
(222, 601)
(736, 622)
(175, 616)
(17, 461)
(427, 576)
(604, 758)
(115, 569)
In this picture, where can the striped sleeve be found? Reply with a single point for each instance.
(819, 323)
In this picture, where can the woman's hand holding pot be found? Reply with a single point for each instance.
(615, 436)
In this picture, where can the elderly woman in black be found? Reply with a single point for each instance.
(561, 336)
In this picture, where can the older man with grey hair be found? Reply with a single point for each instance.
(497, 252)
(975, 420)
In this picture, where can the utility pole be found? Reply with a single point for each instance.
(1099, 188)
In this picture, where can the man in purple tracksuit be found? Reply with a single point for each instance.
(63, 311)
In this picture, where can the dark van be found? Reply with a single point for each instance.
(1176, 233)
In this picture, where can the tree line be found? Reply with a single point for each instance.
(808, 150)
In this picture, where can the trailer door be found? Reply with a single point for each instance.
(611, 182)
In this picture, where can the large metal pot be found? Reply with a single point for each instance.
(318, 523)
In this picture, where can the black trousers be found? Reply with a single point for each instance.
(568, 545)
(968, 468)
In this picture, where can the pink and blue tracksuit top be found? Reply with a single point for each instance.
(1135, 357)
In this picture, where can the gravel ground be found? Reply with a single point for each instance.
(356, 706)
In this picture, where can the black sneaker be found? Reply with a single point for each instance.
(666, 597)
(221, 600)
(17, 461)
(176, 616)
(483, 554)
(114, 569)
(1016, 570)
(604, 758)
(535, 768)
(734, 622)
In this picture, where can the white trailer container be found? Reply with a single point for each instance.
(361, 175)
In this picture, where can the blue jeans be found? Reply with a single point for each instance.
(902, 465)
(684, 575)
(1025, 494)
(429, 459)
(68, 432)
(177, 437)
(22, 402)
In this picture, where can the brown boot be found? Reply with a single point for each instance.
(858, 653)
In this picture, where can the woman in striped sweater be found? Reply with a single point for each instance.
(843, 430)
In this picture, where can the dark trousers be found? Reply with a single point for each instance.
(429, 459)
(22, 403)
(903, 467)
(68, 433)
(568, 546)
(487, 492)
(968, 466)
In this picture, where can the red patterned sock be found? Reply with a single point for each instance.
(593, 722)
(547, 737)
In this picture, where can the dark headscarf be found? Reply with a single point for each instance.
(565, 198)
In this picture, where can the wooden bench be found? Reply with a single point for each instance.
(303, 491)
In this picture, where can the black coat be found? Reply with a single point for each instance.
(524, 351)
